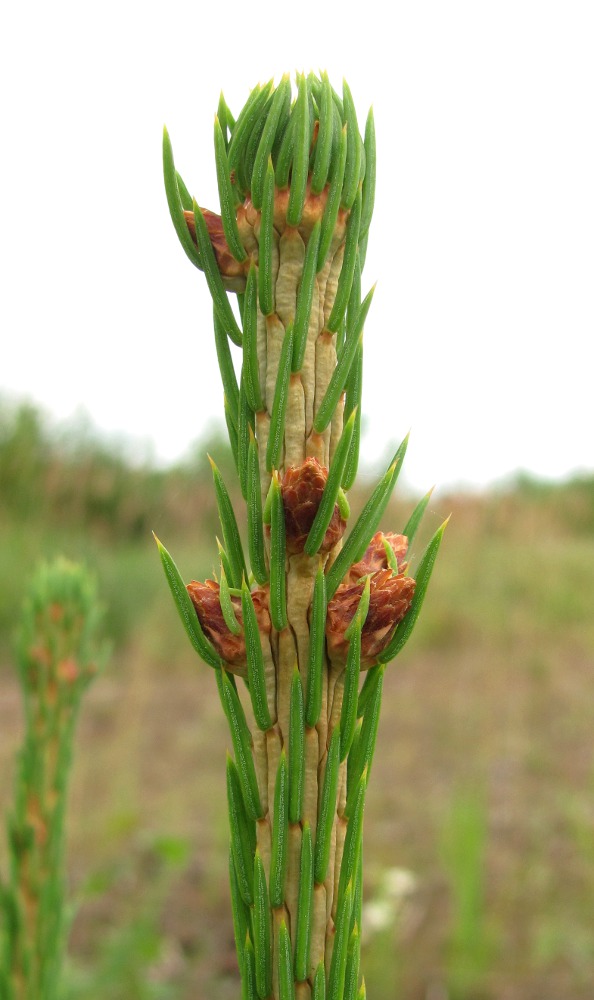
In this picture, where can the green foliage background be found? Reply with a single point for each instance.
(484, 776)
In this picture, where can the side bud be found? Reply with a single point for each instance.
(232, 272)
(390, 598)
(302, 488)
(207, 602)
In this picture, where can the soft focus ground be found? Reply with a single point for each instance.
(479, 824)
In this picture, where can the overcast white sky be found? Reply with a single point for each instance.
(480, 333)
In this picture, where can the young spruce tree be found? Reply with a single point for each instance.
(309, 609)
(58, 655)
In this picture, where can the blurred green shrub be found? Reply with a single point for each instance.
(73, 477)
(67, 490)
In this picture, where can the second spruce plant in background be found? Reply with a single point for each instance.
(58, 656)
(292, 624)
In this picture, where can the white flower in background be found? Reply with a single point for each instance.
(382, 911)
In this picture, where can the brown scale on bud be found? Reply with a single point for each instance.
(261, 599)
(389, 600)
(313, 211)
(231, 270)
(68, 671)
(375, 557)
(206, 600)
(302, 488)
(231, 648)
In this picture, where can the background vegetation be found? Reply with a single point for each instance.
(479, 835)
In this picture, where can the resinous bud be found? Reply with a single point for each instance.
(231, 648)
(302, 489)
(389, 599)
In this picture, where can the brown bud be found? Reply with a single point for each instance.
(375, 558)
(40, 656)
(232, 272)
(302, 489)
(68, 671)
(205, 598)
(389, 600)
(231, 648)
(313, 210)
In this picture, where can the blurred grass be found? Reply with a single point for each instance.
(492, 694)
(463, 849)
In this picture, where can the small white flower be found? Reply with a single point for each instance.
(377, 915)
(382, 911)
(398, 883)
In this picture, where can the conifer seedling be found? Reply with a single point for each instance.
(302, 621)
